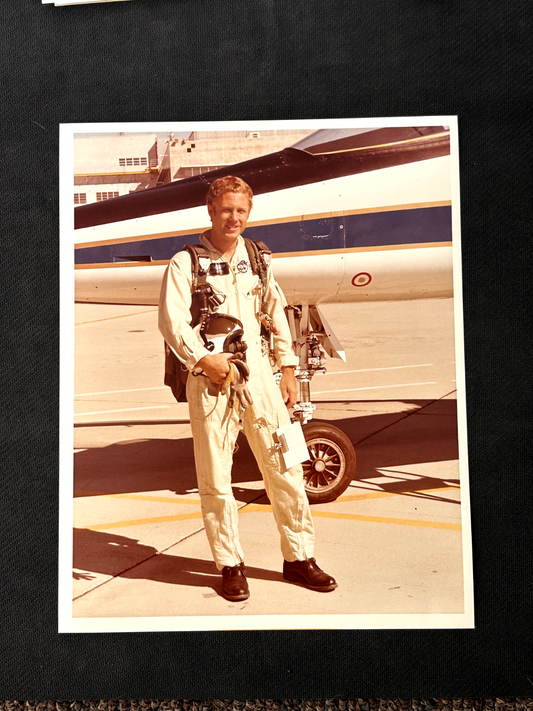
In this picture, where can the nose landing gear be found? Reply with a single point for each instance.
(332, 461)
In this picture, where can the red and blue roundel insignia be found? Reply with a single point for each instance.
(242, 266)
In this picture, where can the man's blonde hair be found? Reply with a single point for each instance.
(228, 184)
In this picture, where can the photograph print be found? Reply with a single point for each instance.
(263, 416)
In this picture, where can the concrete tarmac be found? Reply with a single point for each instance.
(393, 540)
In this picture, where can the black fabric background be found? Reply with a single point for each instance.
(166, 60)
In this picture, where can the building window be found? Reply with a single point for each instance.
(106, 196)
(123, 162)
(80, 198)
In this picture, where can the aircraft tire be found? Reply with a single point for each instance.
(331, 465)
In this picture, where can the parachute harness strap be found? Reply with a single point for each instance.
(260, 258)
(258, 253)
(200, 288)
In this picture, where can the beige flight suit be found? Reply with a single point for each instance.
(215, 427)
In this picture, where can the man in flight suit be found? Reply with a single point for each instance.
(215, 420)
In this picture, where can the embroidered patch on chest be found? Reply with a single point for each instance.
(243, 266)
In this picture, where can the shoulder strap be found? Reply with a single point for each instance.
(198, 255)
(259, 256)
(263, 249)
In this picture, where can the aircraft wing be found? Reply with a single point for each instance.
(330, 154)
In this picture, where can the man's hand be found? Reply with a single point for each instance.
(288, 386)
(215, 366)
(234, 385)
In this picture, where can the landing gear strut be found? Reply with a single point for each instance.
(332, 461)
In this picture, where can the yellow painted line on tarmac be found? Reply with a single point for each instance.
(138, 497)
(255, 508)
(370, 495)
(141, 522)
(384, 494)
(251, 508)
(383, 519)
(263, 508)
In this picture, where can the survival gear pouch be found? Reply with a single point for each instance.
(176, 373)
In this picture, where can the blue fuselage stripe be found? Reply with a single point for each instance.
(374, 229)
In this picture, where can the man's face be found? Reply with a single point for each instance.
(229, 216)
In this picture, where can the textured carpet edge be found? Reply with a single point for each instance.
(374, 704)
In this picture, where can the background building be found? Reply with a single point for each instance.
(109, 166)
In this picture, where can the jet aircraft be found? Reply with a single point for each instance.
(349, 214)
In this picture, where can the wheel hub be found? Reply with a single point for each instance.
(331, 464)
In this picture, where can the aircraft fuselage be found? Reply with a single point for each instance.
(384, 235)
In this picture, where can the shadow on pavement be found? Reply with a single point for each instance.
(168, 464)
(384, 451)
(109, 554)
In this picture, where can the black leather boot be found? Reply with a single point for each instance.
(234, 583)
(308, 574)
